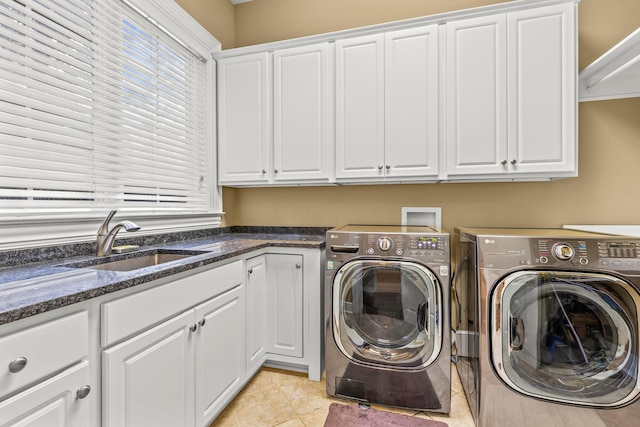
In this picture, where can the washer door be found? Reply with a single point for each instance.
(387, 312)
(567, 337)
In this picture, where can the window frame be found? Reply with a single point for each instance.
(22, 231)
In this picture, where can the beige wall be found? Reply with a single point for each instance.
(263, 21)
(217, 16)
(606, 191)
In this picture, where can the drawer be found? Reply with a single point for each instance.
(126, 316)
(41, 351)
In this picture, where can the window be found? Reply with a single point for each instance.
(103, 106)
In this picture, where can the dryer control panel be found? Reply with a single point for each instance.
(612, 254)
(619, 255)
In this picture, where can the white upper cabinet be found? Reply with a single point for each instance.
(411, 102)
(510, 91)
(244, 125)
(275, 121)
(387, 105)
(476, 68)
(360, 107)
(486, 94)
(302, 113)
(542, 91)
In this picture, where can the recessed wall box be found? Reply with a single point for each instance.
(422, 216)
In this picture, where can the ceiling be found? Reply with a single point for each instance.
(239, 1)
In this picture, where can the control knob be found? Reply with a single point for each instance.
(384, 244)
(563, 251)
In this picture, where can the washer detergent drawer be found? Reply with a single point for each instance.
(568, 337)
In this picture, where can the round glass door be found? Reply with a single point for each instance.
(567, 337)
(387, 312)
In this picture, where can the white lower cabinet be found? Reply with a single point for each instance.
(46, 381)
(219, 352)
(184, 370)
(186, 365)
(256, 284)
(57, 402)
(285, 311)
(284, 304)
(149, 379)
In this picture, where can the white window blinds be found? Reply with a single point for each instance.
(100, 109)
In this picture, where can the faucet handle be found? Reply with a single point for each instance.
(104, 228)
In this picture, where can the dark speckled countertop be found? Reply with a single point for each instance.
(34, 281)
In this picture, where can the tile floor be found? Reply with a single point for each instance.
(287, 399)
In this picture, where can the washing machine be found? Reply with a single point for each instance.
(387, 293)
(547, 326)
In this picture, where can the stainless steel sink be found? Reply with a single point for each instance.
(134, 261)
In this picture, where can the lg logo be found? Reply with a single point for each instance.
(489, 241)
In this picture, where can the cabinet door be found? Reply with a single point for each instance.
(411, 102)
(301, 114)
(55, 402)
(244, 99)
(219, 352)
(256, 310)
(148, 380)
(360, 107)
(284, 304)
(542, 98)
(476, 110)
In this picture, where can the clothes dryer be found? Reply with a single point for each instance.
(387, 316)
(547, 326)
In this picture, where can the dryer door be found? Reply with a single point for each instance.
(387, 312)
(568, 337)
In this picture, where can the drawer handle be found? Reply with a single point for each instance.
(202, 322)
(83, 392)
(17, 365)
(193, 327)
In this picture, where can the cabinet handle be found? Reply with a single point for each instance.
(17, 365)
(264, 171)
(388, 166)
(504, 162)
(83, 392)
(513, 162)
(275, 171)
(202, 322)
(251, 271)
(380, 167)
(193, 327)
(298, 266)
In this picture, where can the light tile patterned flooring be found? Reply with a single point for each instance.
(287, 399)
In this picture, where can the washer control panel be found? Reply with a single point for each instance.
(427, 247)
(416, 246)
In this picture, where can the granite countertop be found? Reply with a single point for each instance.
(35, 281)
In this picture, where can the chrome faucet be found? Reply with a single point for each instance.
(105, 237)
